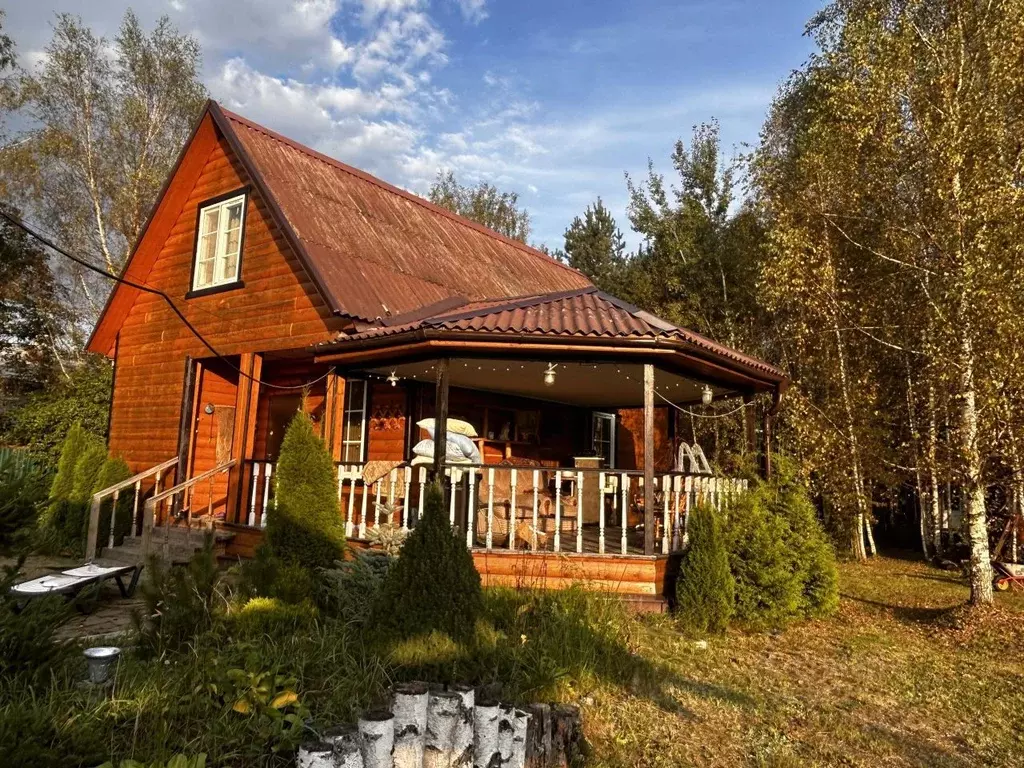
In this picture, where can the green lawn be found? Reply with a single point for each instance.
(898, 677)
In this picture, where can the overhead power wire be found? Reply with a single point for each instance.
(156, 292)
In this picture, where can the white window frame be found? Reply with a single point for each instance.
(220, 256)
(612, 421)
(348, 413)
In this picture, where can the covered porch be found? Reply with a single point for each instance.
(579, 470)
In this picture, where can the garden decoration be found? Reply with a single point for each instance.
(427, 727)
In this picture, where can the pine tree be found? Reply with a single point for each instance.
(705, 588)
(304, 525)
(434, 584)
(594, 245)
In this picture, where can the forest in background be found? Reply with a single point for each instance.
(868, 245)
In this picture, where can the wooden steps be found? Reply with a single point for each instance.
(180, 546)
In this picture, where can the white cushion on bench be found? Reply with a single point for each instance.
(45, 584)
(91, 570)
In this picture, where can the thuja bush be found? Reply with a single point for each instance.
(781, 559)
(433, 586)
(304, 525)
(62, 526)
(113, 471)
(705, 590)
(22, 489)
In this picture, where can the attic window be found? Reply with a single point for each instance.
(219, 242)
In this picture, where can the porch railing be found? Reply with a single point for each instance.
(135, 482)
(159, 508)
(554, 509)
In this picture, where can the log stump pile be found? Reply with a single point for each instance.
(429, 727)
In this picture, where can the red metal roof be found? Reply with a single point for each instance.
(584, 312)
(379, 251)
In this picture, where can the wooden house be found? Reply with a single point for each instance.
(270, 277)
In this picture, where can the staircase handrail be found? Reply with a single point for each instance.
(115, 491)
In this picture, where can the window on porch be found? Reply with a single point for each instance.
(353, 443)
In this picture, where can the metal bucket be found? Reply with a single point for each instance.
(100, 662)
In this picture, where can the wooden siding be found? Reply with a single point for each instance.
(278, 308)
(387, 423)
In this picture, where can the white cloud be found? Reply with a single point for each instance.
(473, 11)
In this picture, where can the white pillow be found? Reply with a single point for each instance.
(466, 446)
(453, 451)
(455, 426)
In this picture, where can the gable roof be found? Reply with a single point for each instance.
(582, 313)
(381, 251)
(371, 249)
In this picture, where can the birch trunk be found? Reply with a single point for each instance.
(974, 491)
(861, 522)
(933, 480)
(922, 502)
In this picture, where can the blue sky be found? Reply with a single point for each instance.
(555, 100)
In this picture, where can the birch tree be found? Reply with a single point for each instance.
(107, 120)
(915, 129)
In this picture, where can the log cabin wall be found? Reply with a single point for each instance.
(278, 308)
(387, 428)
(629, 446)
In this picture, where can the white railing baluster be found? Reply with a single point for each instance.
(452, 475)
(250, 519)
(392, 478)
(376, 502)
(600, 510)
(113, 519)
(666, 493)
(624, 514)
(350, 517)
(579, 511)
(533, 535)
(512, 511)
(688, 487)
(471, 508)
(405, 498)
(676, 536)
(558, 511)
(135, 508)
(268, 470)
(490, 507)
(363, 504)
(422, 479)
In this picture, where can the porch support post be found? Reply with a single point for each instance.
(749, 426)
(648, 459)
(186, 425)
(440, 417)
(334, 411)
(766, 437)
(244, 435)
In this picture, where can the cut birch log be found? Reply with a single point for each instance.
(317, 754)
(377, 739)
(520, 726)
(506, 731)
(462, 746)
(538, 736)
(410, 710)
(444, 709)
(566, 735)
(347, 746)
(485, 726)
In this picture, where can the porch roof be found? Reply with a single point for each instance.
(583, 322)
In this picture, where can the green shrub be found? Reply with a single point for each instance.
(22, 490)
(271, 616)
(28, 642)
(178, 761)
(180, 603)
(87, 471)
(113, 471)
(350, 590)
(63, 526)
(780, 557)
(816, 559)
(762, 562)
(304, 523)
(705, 591)
(267, 575)
(433, 585)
